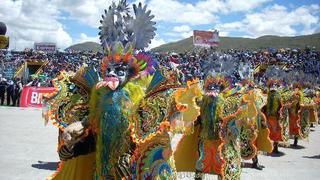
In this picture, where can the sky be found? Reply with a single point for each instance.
(67, 22)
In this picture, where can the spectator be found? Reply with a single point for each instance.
(3, 85)
(17, 92)
(10, 92)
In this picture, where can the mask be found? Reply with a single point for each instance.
(214, 90)
(115, 76)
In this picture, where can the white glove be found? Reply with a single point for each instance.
(73, 133)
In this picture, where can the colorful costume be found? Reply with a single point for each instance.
(160, 112)
(107, 99)
(255, 133)
(290, 101)
(127, 125)
(277, 123)
(307, 113)
(228, 118)
(69, 105)
(277, 127)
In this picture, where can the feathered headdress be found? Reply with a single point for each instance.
(217, 64)
(274, 75)
(220, 69)
(246, 71)
(224, 82)
(121, 34)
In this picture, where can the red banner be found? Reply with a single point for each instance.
(206, 38)
(32, 96)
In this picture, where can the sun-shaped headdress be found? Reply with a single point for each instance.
(220, 69)
(121, 35)
(274, 75)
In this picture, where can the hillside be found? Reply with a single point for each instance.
(239, 43)
(263, 42)
(86, 46)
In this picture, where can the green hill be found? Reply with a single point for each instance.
(239, 43)
(86, 46)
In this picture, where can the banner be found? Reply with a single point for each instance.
(45, 47)
(206, 38)
(32, 96)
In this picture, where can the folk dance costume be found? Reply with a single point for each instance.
(290, 101)
(298, 106)
(68, 107)
(167, 107)
(227, 129)
(119, 122)
(254, 134)
(308, 113)
(278, 126)
(108, 101)
(201, 151)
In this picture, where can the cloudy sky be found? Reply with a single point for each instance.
(67, 22)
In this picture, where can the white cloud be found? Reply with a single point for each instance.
(233, 26)
(212, 6)
(178, 32)
(139, 1)
(87, 12)
(85, 38)
(178, 12)
(244, 5)
(223, 33)
(201, 12)
(179, 35)
(30, 21)
(276, 20)
(155, 42)
(182, 28)
(187, 34)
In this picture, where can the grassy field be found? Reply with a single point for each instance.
(239, 43)
(86, 46)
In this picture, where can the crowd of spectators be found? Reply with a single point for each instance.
(190, 64)
(10, 87)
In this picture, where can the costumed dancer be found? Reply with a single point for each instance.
(68, 109)
(298, 105)
(217, 130)
(121, 36)
(279, 127)
(317, 101)
(167, 107)
(110, 102)
(254, 135)
(291, 104)
(308, 112)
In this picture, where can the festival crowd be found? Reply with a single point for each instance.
(190, 64)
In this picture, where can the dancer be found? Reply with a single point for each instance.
(279, 127)
(254, 134)
(108, 101)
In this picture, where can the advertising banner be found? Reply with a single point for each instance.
(32, 96)
(45, 47)
(206, 38)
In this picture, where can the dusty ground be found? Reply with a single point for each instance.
(28, 152)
